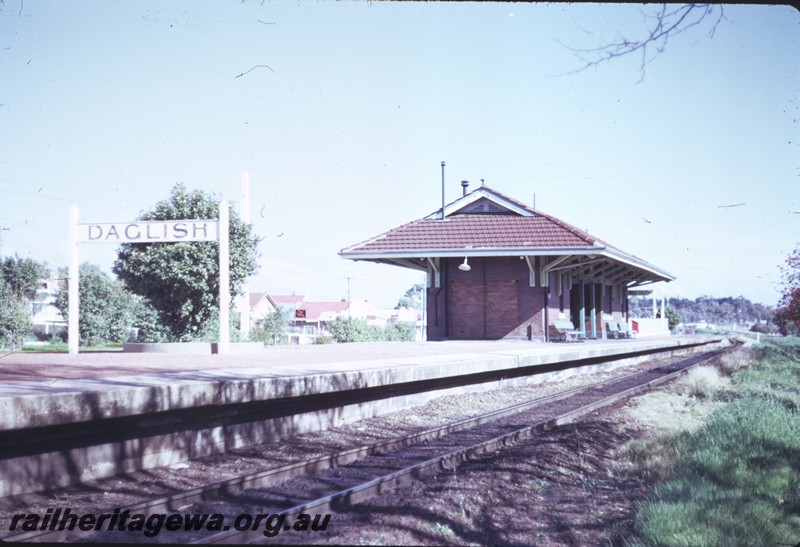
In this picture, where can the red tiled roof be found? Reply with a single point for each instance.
(471, 231)
(486, 222)
(255, 298)
(287, 299)
(314, 310)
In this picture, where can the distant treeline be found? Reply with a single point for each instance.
(719, 311)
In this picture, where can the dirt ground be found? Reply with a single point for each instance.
(563, 487)
(555, 489)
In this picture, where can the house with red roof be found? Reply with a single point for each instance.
(497, 269)
(312, 318)
(260, 306)
(263, 304)
(287, 301)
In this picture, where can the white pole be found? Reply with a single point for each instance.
(244, 308)
(224, 281)
(72, 283)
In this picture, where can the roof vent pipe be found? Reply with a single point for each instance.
(464, 185)
(442, 190)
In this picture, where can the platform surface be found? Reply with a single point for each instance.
(38, 389)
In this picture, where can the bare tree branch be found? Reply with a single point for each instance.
(252, 69)
(668, 21)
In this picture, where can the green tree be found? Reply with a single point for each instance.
(15, 322)
(412, 298)
(19, 281)
(20, 277)
(672, 317)
(147, 326)
(273, 329)
(787, 314)
(181, 280)
(106, 311)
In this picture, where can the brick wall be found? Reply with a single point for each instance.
(491, 301)
(494, 301)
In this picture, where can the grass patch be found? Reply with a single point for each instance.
(673, 412)
(64, 348)
(735, 481)
(701, 382)
(652, 458)
(685, 405)
(737, 360)
(443, 530)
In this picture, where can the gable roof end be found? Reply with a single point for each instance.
(484, 192)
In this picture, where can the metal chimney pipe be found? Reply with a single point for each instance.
(442, 190)
(464, 185)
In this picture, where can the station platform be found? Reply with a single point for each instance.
(39, 389)
(87, 402)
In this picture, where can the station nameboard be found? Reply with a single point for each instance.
(164, 231)
(156, 231)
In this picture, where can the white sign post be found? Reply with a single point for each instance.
(162, 231)
(224, 281)
(72, 282)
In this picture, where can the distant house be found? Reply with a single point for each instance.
(498, 268)
(380, 317)
(260, 307)
(308, 319)
(287, 302)
(47, 319)
(312, 318)
(262, 304)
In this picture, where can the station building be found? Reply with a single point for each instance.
(499, 269)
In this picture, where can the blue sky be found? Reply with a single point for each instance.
(109, 104)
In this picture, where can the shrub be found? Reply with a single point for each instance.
(353, 329)
(652, 458)
(737, 360)
(147, 325)
(400, 332)
(701, 382)
(106, 310)
(273, 329)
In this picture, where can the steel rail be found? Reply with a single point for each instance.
(279, 474)
(269, 477)
(453, 459)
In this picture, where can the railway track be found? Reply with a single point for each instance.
(334, 481)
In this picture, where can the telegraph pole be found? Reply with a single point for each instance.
(2, 229)
(349, 277)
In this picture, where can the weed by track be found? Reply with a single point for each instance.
(736, 480)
